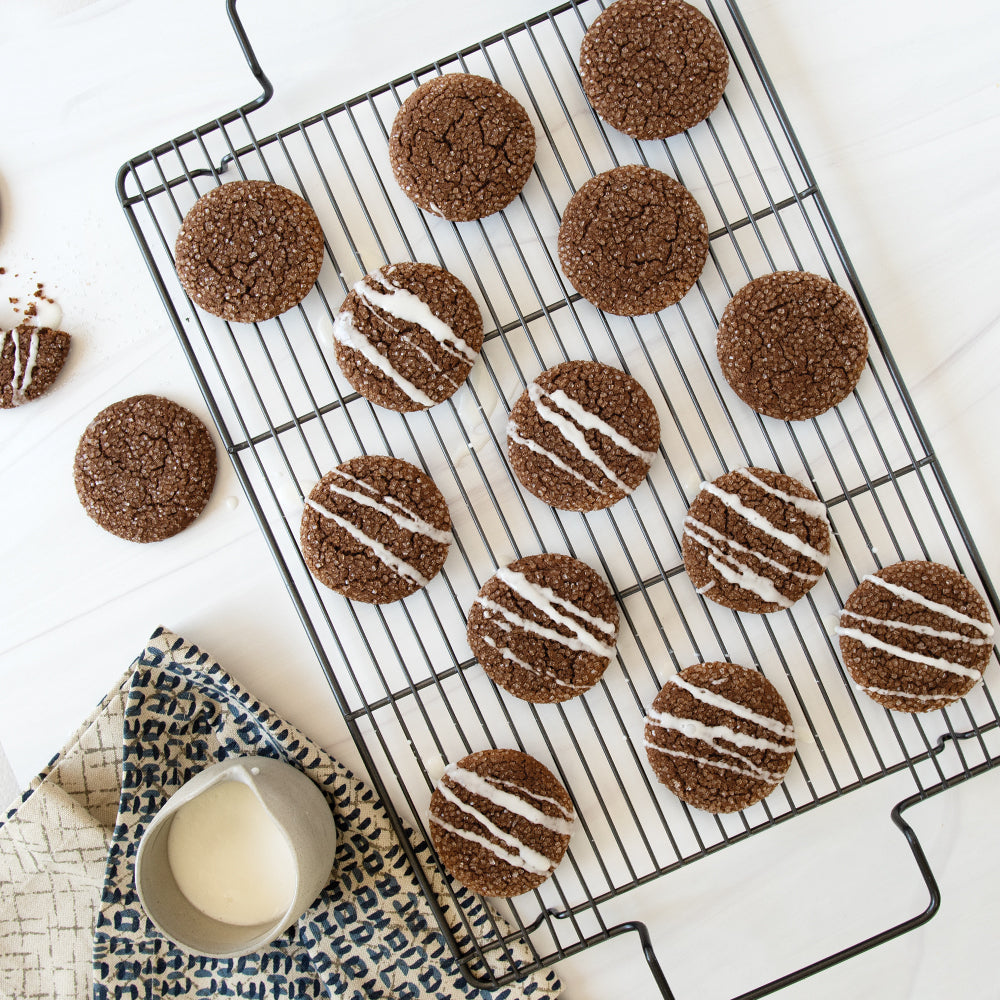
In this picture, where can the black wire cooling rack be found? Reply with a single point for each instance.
(412, 695)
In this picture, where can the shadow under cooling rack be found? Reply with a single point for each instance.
(403, 674)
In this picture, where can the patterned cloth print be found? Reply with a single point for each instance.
(370, 935)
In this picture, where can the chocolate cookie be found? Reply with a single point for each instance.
(755, 540)
(144, 468)
(375, 529)
(30, 359)
(582, 435)
(792, 344)
(653, 68)
(500, 821)
(916, 636)
(544, 627)
(249, 250)
(461, 147)
(407, 336)
(719, 736)
(632, 241)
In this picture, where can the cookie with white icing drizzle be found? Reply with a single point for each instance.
(375, 529)
(755, 540)
(30, 359)
(544, 628)
(719, 736)
(582, 435)
(500, 821)
(916, 636)
(407, 336)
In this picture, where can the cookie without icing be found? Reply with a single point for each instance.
(792, 344)
(719, 736)
(461, 147)
(633, 241)
(144, 468)
(755, 540)
(407, 336)
(582, 435)
(375, 529)
(544, 627)
(249, 250)
(653, 68)
(916, 636)
(500, 821)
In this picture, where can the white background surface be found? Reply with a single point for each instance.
(897, 107)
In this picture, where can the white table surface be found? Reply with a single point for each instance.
(899, 115)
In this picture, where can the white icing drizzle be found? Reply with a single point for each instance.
(410, 308)
(517, 860)
(696, 730)
(733, 707)
(22, 376)
(590, 421)
(346, 333)
(758, 773)
(399, 566)
(529, 667)
(904, 694)
(408, 519)
(516, 438)
(546, 599)
(482, 787)
(919, 629)
(760, 522)
(573, 434)
(707, 529)
(567, 811)
(942, 609)
(576, 641)
(870, 642)
(812, 508)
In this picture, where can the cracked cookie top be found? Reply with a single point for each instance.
(633, 240)
(792, 344)
(144, 468)
(653, 68)
(249, 250)
(461, 147)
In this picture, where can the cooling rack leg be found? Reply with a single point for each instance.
(648, 953)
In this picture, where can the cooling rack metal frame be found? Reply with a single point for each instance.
(403, 676)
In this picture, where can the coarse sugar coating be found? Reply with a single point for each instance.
(792, 344)
(30, 359)
(375, 529)
(500, 822)
(407, 335)
(144, 468)
(544, 627)
(719, 736)
(249, 250)
(461, 147)
(582, 435)
(633, 240)
(916, 636)
(755, 540)
(653, 68)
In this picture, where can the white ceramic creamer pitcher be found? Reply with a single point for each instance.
(235, 856)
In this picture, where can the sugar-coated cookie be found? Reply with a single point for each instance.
(249, 250)
(719, 736)
(461, 147)
(544, 627)
(145, 468)
(916, 636)
(30, 359)
(407, 336)
(633, 240)
(755, 540)
(375, 529)
(500, 821)
(653, 68)
(582, 435)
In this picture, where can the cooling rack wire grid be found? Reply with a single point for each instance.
(403, 675)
